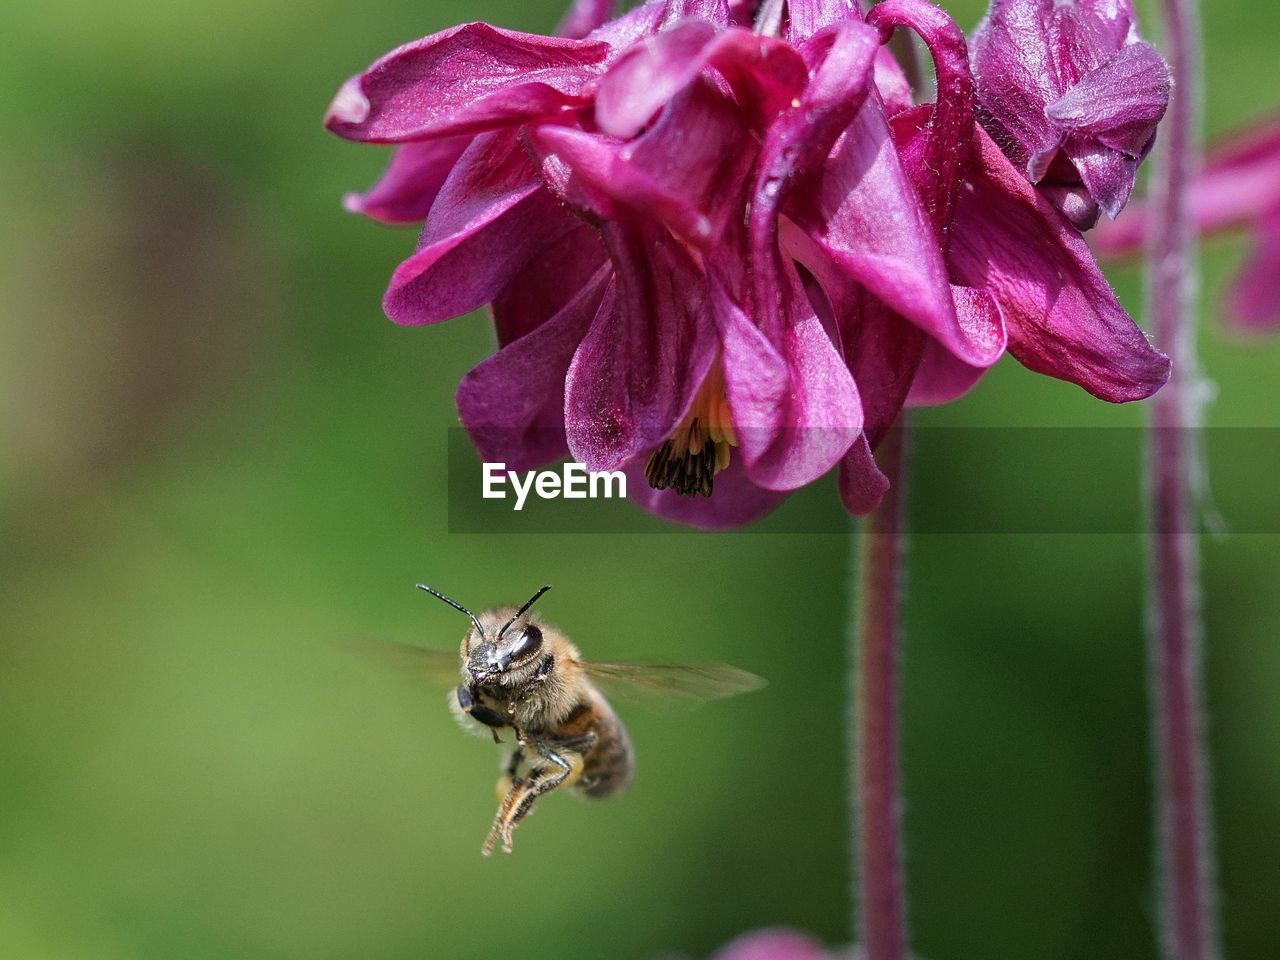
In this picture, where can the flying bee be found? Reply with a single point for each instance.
(521, 674)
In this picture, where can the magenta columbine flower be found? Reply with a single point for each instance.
(1239, 187)
(1072, 95)
(711, 258)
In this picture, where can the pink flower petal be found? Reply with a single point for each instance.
(765, 73)
(1111, 20)
(1108, 174)
(736, 501)
(512, 403)
(1016, 73)
(796, 151)
(941, 378)
(756, 375)
(936, 159)
(464, 80)
(648, 75)
(880, 348)
(1258, 143)
(867, 221)
(817, 414)
(549, 279)
(768, 71)
(1074, 203)
(1119, 103)
(688, 170)
(648, 350)
(490, 216)
(623, 31)
(863, 213)
(1061, 316)
(412, 179)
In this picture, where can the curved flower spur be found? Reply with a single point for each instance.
(720, 260)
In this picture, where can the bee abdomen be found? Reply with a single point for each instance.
(579, 719)
(609, 766)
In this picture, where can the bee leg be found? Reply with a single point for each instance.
(580, 744)
(565, 755)
(515, 806)
(467, 700)
(535, 786)
(567, 764)
(502, 822)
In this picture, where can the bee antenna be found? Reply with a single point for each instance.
(519, 613)
(456, 605)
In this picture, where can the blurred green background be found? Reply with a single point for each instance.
(220, 462)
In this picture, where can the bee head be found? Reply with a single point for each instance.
(501, 651)
(514, 648)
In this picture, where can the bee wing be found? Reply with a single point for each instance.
(436, 666)
(672, 684)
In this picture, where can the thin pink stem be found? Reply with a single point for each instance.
(1185, 850)
(882, 921)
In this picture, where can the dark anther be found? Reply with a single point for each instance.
(688, 474)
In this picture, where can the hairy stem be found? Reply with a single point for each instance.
(882, 922)
(1186, 873)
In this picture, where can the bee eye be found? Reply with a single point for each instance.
(530, 640)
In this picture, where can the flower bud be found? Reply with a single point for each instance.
(1072, 96)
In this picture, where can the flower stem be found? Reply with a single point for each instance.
(1186, 873)
(877, 815)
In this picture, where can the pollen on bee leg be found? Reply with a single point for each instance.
(698, 449)
(576, 764)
